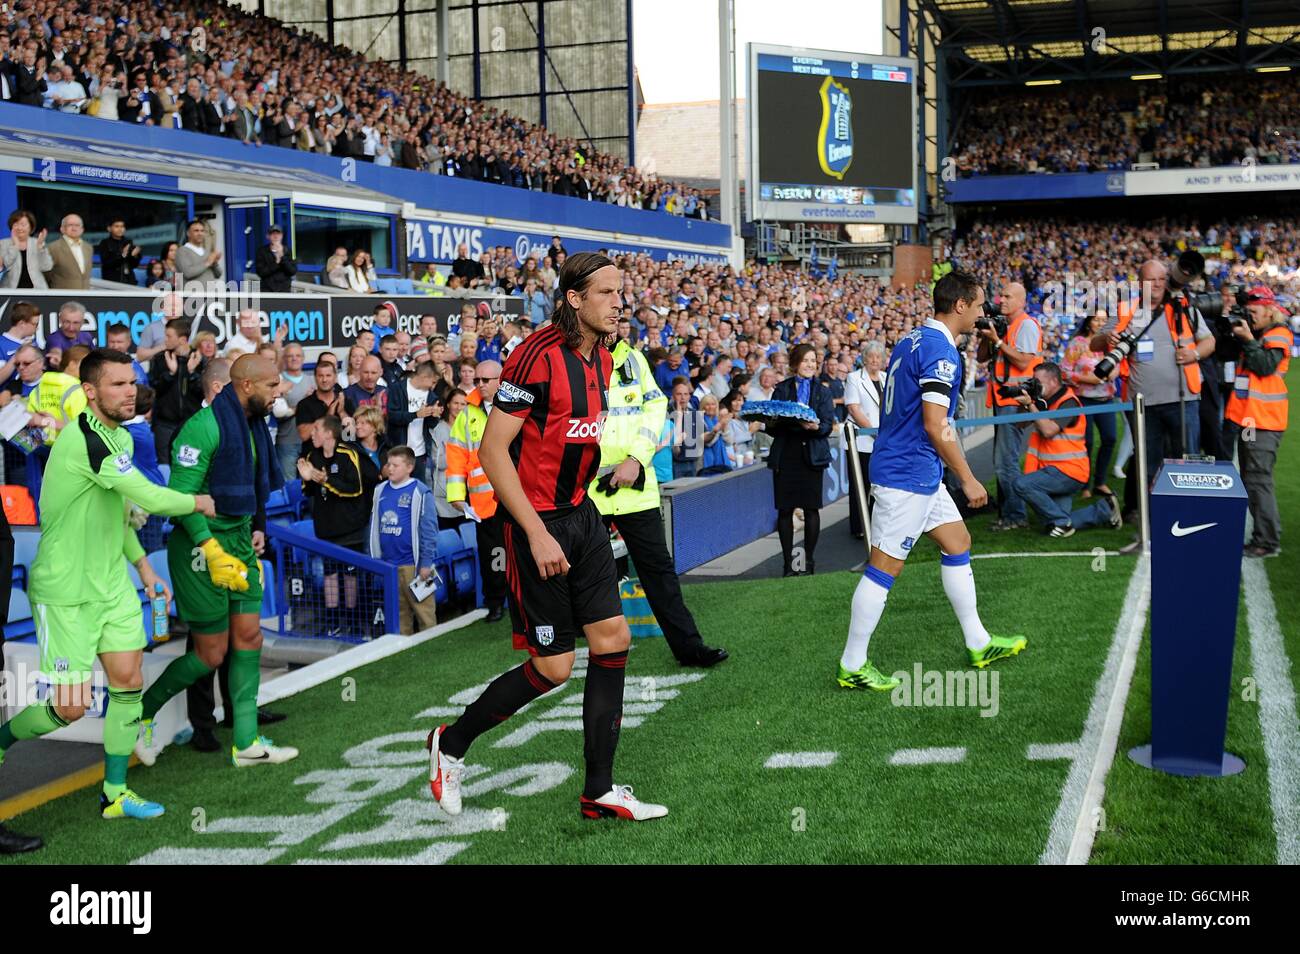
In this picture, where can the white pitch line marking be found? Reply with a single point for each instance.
(1277, 710)
(1073, 829)
(931, 756)
(1050, 751)
(801, 760)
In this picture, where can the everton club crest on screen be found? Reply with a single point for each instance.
(835, 137)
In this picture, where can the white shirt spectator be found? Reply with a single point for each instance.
(859, 389)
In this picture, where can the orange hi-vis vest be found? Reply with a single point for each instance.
(1006, 373)
(465, 475)
(1262, 401)
(1067, 451)
(1191, 372)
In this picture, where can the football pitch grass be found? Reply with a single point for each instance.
(857, 777)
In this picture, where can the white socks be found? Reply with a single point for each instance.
(868, 603)
(959, 585)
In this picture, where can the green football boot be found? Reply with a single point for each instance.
(999, 647)
(868, 677)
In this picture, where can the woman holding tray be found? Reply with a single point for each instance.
(801, 452)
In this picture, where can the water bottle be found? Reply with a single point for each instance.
(161, 625)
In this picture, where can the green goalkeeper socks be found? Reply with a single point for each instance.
(121, 726)
(245, 677)
(39, 719)
(183, 672)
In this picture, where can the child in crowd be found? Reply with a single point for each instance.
(404, 531)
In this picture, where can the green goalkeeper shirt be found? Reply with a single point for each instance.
(85, 532)
(193, 449)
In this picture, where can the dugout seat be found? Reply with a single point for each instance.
(20, 627)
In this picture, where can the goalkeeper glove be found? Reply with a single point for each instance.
(224, 570)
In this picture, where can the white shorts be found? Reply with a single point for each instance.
(901, 517)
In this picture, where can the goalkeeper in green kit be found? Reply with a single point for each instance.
(84, 602)
(224, 450)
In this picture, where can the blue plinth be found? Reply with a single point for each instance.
(1198, 521)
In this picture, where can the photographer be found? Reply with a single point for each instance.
(1162, 365)
(1256, 415)
(1056, 464)
(1014, 348)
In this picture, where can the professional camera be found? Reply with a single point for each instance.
(993, 320)
(1032, 387)
(1123, 348)
(1189, 267)
(1211, 308)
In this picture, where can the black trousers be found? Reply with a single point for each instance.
(643, 533)
(855, 512)
(491, 557)
(200, 699)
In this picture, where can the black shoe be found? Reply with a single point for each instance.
(495, 613)
(205, 740)
(704, 657)
(12, 843)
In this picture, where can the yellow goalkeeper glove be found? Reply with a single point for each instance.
(224, 570)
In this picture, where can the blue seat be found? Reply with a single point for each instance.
(20, 624)
(25, 544)
(464, 573)
(293, 490)
(304, 528)
(405, 286)
(468, 534)
(450, 543)
(278, 504)
(388, 285)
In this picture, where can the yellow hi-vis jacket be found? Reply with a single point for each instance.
(637, 410)
(465, 476)
(60, 396)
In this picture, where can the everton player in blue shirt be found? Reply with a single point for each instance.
(916, 440)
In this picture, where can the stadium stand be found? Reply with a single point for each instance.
(263, 82)
(1174, 122)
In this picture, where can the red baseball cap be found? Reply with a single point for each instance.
(1261, 293)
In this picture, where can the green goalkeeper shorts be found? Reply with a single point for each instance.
(205, 607)
(70, 637)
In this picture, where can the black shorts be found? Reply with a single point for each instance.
(548, 615)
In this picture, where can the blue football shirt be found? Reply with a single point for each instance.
(923, 368)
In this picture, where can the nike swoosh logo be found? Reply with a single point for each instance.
(258, 758)
(1178, 531)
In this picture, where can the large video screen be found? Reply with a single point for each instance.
(832, 136)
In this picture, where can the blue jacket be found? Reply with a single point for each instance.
(145, 456)
(422, 524)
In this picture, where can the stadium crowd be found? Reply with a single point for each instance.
(714, 337)
(261, 82)
(1176, 122)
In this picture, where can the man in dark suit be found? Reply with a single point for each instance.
(191, 107)
(7, 68)
(210, 112)
(118, 258)
(140, 105)
(273, 263)
(29, 81)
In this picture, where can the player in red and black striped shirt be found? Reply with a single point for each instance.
(540, 450)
